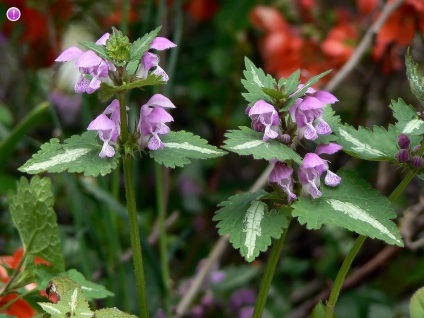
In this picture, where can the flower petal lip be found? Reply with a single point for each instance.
(161, 43)
(69, 54)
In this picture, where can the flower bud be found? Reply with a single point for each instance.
(403, 155)
(285, 139)
(417, 162)
(403, 141)
(416, 148)
(118, 46)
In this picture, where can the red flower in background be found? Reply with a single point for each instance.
(202, 10)
(19, 308)
(284, 49)
(397, 32)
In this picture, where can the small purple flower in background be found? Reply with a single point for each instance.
(246, 312)
(108, 128)
(312, 168)
(282, 175)
(151, 60)
(93, 69)
(264, 119)
(308, 109)
(153, 117)
(241, 298)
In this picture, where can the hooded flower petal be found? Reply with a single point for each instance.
(328, 149)
(88, 59)
(161, 43)
(325, 97)
(69, 54)
(101, 122)
(161, 101)
(103, 39)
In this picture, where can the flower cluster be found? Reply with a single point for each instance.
(405, 153)
(95, 70)
(306, 123)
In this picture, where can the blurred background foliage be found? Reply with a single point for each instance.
(37, 103)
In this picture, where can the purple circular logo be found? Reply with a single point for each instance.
(13, 14)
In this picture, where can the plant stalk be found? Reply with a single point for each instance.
(269, 274)
(344, 269)
(132, 213)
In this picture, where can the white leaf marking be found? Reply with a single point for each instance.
(248, 145)
(87, 288)
(360, 146)
(252, 226)
(73, 302)
(66, 157)
(187, 146)
(50, 307)
(357, 213)
(412, 125)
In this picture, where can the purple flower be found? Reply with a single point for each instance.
(312, 168)
(241, 298)
(150, 60)
(246, 312)
(282, 175)
(308, 109)
(417, 162)
(93, 69)
(264, 119)
(403, 141)
(108, 128)
(153, 117)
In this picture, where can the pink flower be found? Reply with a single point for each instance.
(308, 109)
(93, 69)
(264, 119)
(151, 60)
(153, 117)
(313, 167)
(282, 175)
(108, 128)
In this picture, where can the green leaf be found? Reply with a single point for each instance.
(71, 304)
(415, 77)
(140, 46)
(181, 146)
(249, 142)
(301, 92)
(132, 67)
(91, 290)
(249, 223)
(275, 94)
(112, 313)
(256, 80)
(75, 154)
(363, 143)
(416, 306)
(6, 316)
(353, 205)
(107, 91)
(31, 208)
(100, 50)
(409, 122)
(292, 83)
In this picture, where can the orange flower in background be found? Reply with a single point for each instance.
(397, 32)
(341, 41)
(19, 308)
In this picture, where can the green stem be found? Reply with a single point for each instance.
(15, 274)
(132, 213)
(344, 269)
(163, 239)
(269, 274)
